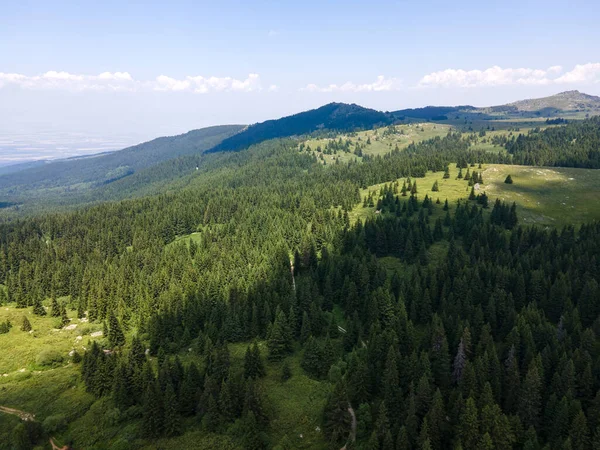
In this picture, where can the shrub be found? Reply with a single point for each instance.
(50, 358)
(55, 423)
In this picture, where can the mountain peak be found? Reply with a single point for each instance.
(564, 101)
(332, 116)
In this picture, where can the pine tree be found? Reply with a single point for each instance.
(435, 187)
(252, 437)
(122, 388)
(337, 417)
(469, 426)
(305, 331)
(413, 189)
(312, 359)
(226, 402)
(253, 364)
(153, 412)
(115, 334)
(530, 398)
(579, 432)
(55, 309)
(64, 319)
(38, 309)
(279, 342)
(25, 324)
(508, 180)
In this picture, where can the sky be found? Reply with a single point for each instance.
(115, 73)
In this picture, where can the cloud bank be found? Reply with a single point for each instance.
(380, 84)
(123, 81)
(498, 76)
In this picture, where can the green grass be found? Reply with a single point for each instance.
(380, 142)
(547, 196)
(544, 196)
(295, 406)
(20, 349)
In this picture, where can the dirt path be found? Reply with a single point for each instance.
(27, 417)
(56, 447)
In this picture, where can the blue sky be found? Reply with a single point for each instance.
(153, 68)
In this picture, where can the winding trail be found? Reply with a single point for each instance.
(25, 416)
(28, 417)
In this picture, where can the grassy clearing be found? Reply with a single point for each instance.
(294, 406)
(548, 196)
(21, 349)
(545, 196)
(380, 141)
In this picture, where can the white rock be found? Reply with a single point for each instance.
(71, 327)
(96, 334)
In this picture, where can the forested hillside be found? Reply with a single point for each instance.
(334, 116)
(81, 174)
(272, 319)
(574, 145)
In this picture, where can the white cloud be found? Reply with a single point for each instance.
(555, 69)
(380, 84)
(123, 81)
(273, 88)
(497, 76)
(582, 73)
(202, 85)
(117, 81)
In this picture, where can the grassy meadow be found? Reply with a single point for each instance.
(381, 141)
(546, 196)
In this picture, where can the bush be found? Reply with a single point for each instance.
(50, 358)
(75, 357)
(55, 423)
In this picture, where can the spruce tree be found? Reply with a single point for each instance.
(25, 324)
(172, 420)
(279, 341)
(469, 426)
(38, 309)
(115, 334)
(153, 413)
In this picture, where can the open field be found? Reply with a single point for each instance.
(376, 142)
(545, 196)
(20, 349)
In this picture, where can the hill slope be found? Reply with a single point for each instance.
(554, 105)
(564, 101)
(333, 116)
(91, 171)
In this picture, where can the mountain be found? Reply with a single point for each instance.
(568, 102)
(563, 101)
(90, 171)
(333, 116)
